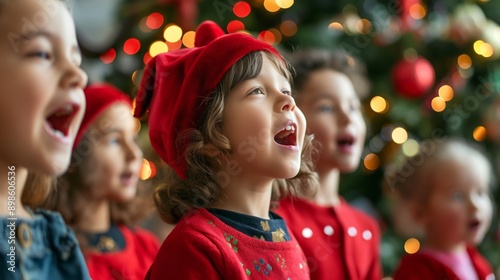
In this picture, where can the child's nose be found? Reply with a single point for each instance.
(132, 151)
(286, 103)
(74, 76)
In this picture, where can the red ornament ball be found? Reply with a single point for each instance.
(413, 78)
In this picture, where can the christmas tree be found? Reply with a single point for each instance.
(434, 68)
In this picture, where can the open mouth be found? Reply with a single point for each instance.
(287, 136)
(60, 120)
(128, 178)
(346, 142)
(474, 225)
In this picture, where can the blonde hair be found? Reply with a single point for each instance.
(201, 188)
(411, 179)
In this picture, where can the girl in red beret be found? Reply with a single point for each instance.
(222, 116)
(340, 241)
(98, 196)
(446, 188)
(42, 106)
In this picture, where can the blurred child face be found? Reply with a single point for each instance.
(41, 85)
(265, 129)
(458, 208)
(113, 167)
(333, 115)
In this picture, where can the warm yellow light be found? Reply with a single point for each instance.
(336, 26)
(478, 46)
(446, 92)
(417, 11)
(464, 61)
(399, 135)
(410, 148)
(146, 170)
(271, 6)
(479, 133)
(378, 104)
(438, 104)
(363, 26)
(188, 39)
(157, 48)
(173, 33)
(371, 162)
(138, 125)
(284, 4)
(412, 246)
(486, 50)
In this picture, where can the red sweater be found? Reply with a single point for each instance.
(339, 242)
(202, 247)
(424, 266)
(131, 263)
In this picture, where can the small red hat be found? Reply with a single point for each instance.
(176, 85)
(99, 97)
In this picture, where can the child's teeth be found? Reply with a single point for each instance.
(289, 127)
(58, 133)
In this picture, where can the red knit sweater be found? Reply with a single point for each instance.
(202, 247)
(424, 266)
(339, 242)
(131, 263)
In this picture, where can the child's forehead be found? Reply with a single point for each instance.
(461, 172)
(24, 16)
(328, 84)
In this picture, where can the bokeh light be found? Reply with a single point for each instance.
(188, 39)
(288, 28)
(157, 48)
(148, 170)
(131, 46)
(479, 133)
(336, 26)
(173, 33)
(378, 104)
(109, 56)
(371, 162)
(242, 9)
(284, 4)
(464, 61)
(235, 26)
(271, 6)
(412, 246)
(417, 11)
(267, 36)
(438, 104)
(446, 92)
(410, 147)
(154, 21)
(399, 135)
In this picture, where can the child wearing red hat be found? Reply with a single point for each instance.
(222, 117)
(446, 189)
(41, 109)
(98, 196)
(339, 241)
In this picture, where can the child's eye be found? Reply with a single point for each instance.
(458, 196)
(40, 55)
(257, 91)
(113, 140)
(326, 109)
(287, 92)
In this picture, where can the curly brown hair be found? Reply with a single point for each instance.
(201, 189)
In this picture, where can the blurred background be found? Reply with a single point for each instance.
(434, 67)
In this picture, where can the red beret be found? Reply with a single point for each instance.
(178, 83)
(99, 97)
